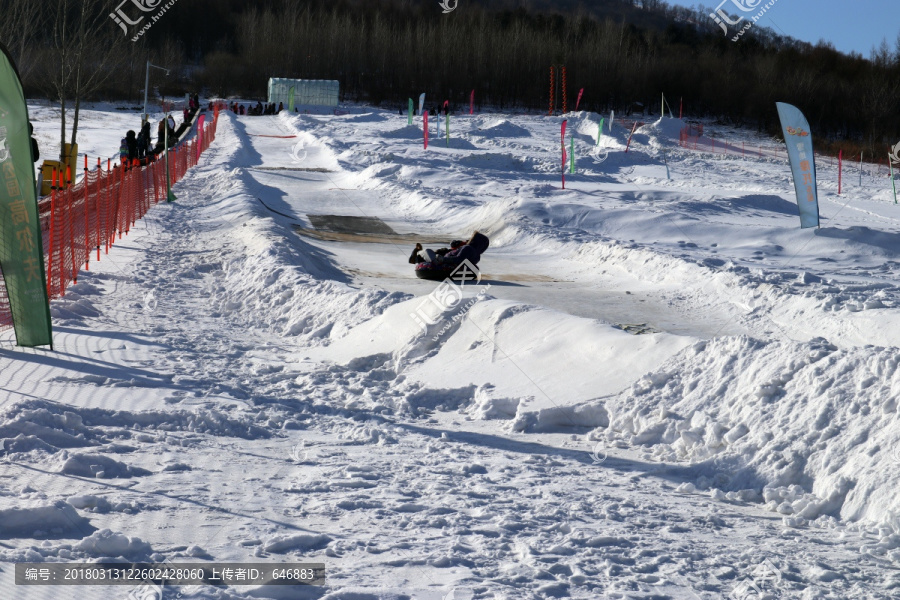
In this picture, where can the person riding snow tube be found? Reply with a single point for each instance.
(438, 265)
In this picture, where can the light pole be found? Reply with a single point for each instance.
(147, 86)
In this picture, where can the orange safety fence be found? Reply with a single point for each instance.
(85, 218)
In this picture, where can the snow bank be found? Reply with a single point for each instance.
(57, 520)
(812, 429)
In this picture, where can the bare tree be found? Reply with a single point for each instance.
(85, 50)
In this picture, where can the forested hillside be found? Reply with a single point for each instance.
(388, 50)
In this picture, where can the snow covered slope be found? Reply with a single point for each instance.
(237, 381)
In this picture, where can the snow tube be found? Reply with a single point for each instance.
(438, 272)
(470, 252)
(434, 272)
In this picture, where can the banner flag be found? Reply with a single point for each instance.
(803, 162)
(563, 131)
(410, 111)
(578, 101)
(200, 120)
(21, 250)
(612, 117)
(421, 102)
(425, 127)
(472, 103)
(291, 99)
(600, 131)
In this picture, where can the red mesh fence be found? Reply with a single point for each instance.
(692, 138)
(82, 220)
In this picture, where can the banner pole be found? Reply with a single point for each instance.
(893, 182)
(170, 197)
(840, 169)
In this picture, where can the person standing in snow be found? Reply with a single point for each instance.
(131, 143)
(123, 152)
(144, 147)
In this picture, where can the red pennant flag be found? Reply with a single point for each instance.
(472, 103)
(578, 101)
(425, 123)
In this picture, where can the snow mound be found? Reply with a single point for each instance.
(108, 544)
(97, 465)
(299, 543)
(42, 521)
(500, 128)
(39, 425)
(811, 428)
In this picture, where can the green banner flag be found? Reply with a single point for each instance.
(291, 99)
(409, 122)
(21, 250)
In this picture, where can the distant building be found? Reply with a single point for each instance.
(310, 92)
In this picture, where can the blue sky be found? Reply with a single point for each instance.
(851, 25)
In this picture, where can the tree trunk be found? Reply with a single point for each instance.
(62, 134)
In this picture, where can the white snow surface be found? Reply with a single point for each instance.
(661, 388)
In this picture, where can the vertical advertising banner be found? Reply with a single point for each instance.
(421, 102)
(472, 102)
(21, 252)
(291, 99)
(798, 139)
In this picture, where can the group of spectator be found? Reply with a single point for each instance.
(259, 109)
(432, 112)
(139, 148)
